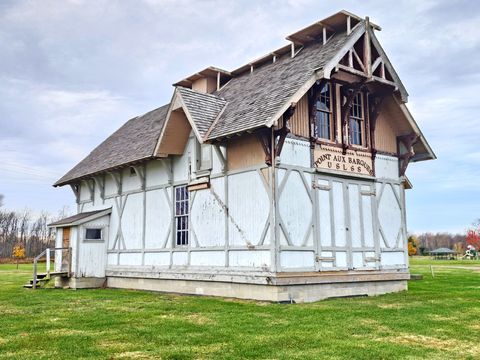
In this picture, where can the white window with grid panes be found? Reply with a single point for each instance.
(181, 215)
(356, 121)
(323, 113)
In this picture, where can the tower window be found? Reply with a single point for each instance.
(356, 121)
(323, 113)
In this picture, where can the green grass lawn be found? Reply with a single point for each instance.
(438, 318)
(426, 260)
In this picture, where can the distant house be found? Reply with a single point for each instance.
(281, 180)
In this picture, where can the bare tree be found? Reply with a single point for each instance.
(1, 200)
(26, 230)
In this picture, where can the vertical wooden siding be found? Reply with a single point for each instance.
(299, 123)
(385, 137)
(244, 151)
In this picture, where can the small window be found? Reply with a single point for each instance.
(93, 234)
(181, 215)
(132, 171)
(323, 113)
(356, 121)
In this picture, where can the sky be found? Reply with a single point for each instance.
(72, 72)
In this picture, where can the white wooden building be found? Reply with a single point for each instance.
(282, 180)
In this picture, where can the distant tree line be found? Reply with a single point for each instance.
(26, 230)
(430, 241)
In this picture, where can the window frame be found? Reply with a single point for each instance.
(330, 114)
(102, 232)
(181, 211)
(361, 120)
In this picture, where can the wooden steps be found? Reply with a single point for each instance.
(43, 279)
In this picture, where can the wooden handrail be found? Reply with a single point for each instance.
(47, 253)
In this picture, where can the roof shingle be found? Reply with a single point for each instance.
(204, 108)
(248, 101)
(134, 141)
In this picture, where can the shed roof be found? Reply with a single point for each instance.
(81, 218)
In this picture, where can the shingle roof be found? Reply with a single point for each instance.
(253, 98)
(134, 141)
(248, 101)
(204, 108)
(80, 218)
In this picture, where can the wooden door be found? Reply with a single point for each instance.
(346, 224)
(65, 244)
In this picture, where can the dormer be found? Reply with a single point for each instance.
(206, 81)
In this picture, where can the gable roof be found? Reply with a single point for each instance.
(255, 96)
(202, 108)
(134, 141)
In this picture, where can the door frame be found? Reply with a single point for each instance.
(321, 250)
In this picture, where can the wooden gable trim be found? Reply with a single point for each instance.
(175, 104)
(355, 35)
(188, 116)
(386, 62)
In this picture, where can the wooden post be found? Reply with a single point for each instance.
(367, 52)
(48, 263)
(34, 284)
(69, 261)
(431, 270)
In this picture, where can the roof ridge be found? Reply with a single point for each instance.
(181, 88)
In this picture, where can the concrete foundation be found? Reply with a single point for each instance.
(80, 283)
(295, 288)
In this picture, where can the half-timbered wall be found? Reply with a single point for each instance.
(323, 221)
(229, 222)
(331, 222)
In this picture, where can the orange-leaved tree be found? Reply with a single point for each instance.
(18, 253)
(412, 245)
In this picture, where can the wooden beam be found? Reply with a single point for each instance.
(359, 60)
(408, 141)
(283, 132)
(367, 51)
(264, 138)
(100, 182)
(350, 58)
(76, 191)
(377, 62)
(117, 178)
